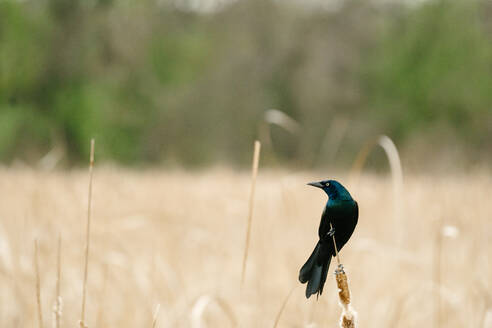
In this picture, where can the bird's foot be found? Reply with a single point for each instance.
(331, 233)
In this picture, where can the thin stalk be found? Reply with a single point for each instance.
(437, 275)
(254, 173)
(58, 302)
(155, 315)
(88, 230)
(336, 248)
(38, 285)
(281, 310)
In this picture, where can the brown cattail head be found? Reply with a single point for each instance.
(347, 322)
(348, 317)
(343, 289)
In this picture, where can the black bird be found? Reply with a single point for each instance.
(342, 212)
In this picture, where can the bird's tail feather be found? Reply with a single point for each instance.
(315, 281)
(315, 271)
(324, 274)
(305, 272)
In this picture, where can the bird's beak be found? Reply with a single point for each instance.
(316, 184)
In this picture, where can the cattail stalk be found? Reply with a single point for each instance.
(348, 317)
(254, 173)
(87, 242)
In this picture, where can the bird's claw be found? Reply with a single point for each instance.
(331, 233)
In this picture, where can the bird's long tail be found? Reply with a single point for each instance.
(315, 270)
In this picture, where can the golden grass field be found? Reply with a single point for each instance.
(177, 239)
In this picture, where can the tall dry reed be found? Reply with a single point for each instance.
(88, 234)
(58, 306)
(155, 315)
(38, 285)
(254, 173)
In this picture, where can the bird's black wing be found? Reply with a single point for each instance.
(324, 224)
(343, 216)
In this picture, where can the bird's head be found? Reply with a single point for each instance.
(333, 189)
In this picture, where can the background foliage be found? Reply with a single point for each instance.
(160, 83)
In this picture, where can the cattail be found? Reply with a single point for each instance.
(348, 317)
(347, 320)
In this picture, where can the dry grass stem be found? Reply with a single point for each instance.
(437, 274)
(277, 117)
(38, 285)
(155, 315)
(58, 307)
(281, 310)
(393, 158)
(254, 173)
(88, 230)
(391, 152)
(360, 161)
(394, 161)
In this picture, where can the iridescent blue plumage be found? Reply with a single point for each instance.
(334, 190)
(341, 212)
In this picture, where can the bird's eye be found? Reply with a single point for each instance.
(327, 184)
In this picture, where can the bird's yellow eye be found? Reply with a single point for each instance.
(327, 184)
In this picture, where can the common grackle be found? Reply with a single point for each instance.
(342, 212)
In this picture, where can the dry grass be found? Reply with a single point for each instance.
(172, 238)
(38, 285)
(58, 306)
(254, 174)
(87, 236)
